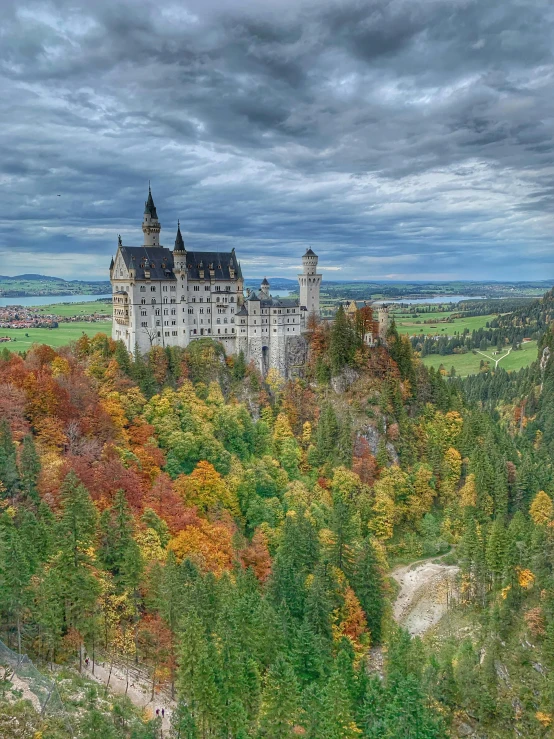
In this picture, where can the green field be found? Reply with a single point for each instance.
(469, 364)
(407, 324)
(75, 309)
(26, 337)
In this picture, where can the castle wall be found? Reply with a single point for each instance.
(296, 356)
(277, 354)
(254, 352)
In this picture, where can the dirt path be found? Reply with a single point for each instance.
(425, 590)
(138, 693)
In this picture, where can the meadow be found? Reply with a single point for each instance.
(67, 332)
(68, 310)
(408, 324)
(469, 364)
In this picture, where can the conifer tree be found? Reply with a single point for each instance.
(15, 575)
(73, 572)
(122, 358)
(29, 465)
(280, 702)
(367, 582)
(496, 551)
(337, 721)
(9, 477)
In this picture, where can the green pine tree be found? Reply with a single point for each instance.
(367, 581)
(280, 702)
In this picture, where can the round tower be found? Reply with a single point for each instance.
(309, 282)
(383, 313)
(150, 224)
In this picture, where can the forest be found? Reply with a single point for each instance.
(233, 536)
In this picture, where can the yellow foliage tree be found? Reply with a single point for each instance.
(206, 489)
(525, 578)
(150, 546)
(452, 468)
(468, 492)
(382, 523)
(541, 509)
(421, 501)
(209, 545)
(215, 396)
(274, 381)
(350, 620)
(281, 431)
(60, 367)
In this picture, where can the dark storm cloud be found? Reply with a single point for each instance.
(407, 139)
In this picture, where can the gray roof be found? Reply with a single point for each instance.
(221, 263)
(138, 257)
(157, 259)
(310, 252)
(280, 303)
(265, 282)
(242, 311)
(269, 303)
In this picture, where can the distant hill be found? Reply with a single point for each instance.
(31, 278)
(46, 278)
(33, 285)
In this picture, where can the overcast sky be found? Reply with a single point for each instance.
(401, 140)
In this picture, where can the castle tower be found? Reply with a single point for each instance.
(383, 313)
(179, 253)
(264, 289)
(180, 262)
(150, 224)
(310, 283)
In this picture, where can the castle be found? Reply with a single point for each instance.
(170, 297)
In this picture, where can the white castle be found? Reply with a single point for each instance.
(164, 297)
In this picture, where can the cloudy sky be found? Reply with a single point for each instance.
(401, 139)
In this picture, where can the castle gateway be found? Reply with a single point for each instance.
(170, 297)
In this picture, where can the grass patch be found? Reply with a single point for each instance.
(469, 364)
(55, 337)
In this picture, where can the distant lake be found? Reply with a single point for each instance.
(439, 300)
(51, 299)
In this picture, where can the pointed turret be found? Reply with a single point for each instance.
(150, 225)
(179, 243)
(180, 258)
(264, 288)
(149, 206)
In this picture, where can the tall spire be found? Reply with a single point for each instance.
(150, 224)
(149, 206)
(179, 243)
